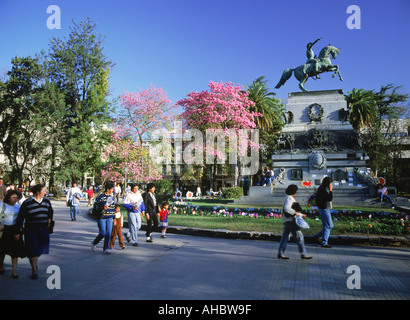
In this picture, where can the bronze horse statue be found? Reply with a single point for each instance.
(313, 67)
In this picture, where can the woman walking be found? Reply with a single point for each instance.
(105, 222)
(324, 196)
(290, 226)
(11, 243)
(36, 214)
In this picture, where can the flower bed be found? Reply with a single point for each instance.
(375, 222)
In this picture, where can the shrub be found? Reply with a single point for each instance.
(232, 193)
(164, 190)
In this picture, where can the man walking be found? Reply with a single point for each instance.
(151, 210)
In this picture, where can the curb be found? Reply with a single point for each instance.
(348, 240)
(385, 241)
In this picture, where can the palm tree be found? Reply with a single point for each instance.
(362, 108)
(267, 104)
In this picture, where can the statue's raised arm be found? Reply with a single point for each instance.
(309, 52)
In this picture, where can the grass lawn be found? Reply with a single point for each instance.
(274, 225)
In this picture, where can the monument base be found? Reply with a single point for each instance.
(317, 141)
(342, 196)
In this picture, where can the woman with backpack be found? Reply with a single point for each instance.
(105, 220)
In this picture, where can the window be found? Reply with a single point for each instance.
(296, 174)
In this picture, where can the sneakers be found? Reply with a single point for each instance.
(127, 237)
(149, 239)
(93, 247)
(108, 251)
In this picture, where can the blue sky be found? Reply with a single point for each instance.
(181, 45)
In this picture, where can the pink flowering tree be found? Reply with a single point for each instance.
(139, 115)
(225, 110)
(127, 159)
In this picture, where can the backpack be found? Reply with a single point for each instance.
(98, 210)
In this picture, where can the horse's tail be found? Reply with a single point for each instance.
(285, 77)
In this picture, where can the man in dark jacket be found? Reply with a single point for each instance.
(151, 210)
(324, 197)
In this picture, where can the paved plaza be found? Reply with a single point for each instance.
(184, 267)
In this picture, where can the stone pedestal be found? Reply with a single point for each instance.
(317, 141)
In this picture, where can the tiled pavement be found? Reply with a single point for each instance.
(184, 267)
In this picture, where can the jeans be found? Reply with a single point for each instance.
(327, 225)
(288, 228)
(74, 211)
(134, 224)
(105, 227)
(385, 196)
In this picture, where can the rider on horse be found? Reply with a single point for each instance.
(311, 58)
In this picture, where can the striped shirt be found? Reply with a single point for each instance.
(108, 201)
(33, 212)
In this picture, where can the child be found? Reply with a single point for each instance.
(117, 228)
(90, 193)
(383, 194)
(163, 218)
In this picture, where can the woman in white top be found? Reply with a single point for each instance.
(11, 243)
(135, 208)
(73, 200)
(290, 226)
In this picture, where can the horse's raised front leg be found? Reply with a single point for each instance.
(340, 76)
(335, 68)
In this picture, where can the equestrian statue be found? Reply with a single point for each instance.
(313, 66)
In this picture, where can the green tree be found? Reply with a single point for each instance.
(362, 108)
(271, 122)
(20, 140)
(80, 70)
(389, 102)
(54, 108)
(266, 104)
(47, 115)
(383, 140)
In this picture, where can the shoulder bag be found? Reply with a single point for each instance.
(70, 200)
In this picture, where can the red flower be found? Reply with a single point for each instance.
(306, 183)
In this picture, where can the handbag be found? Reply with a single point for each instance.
(51, 227)
(2, 219)
(301, 223)
(295, 206)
